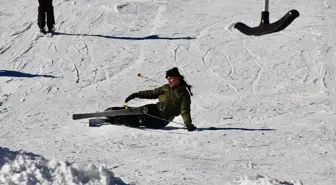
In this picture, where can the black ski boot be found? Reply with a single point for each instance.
(42, 31)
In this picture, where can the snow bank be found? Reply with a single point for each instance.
(20, 167)
(28, 168)
(264, 180)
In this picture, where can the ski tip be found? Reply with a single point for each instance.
(75, 116)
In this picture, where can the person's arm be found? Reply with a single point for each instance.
(185, 109)
(185, 112)
(149, 94)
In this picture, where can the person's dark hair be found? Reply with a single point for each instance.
(175, 72)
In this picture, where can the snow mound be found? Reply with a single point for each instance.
(27, 168)
(264, 180)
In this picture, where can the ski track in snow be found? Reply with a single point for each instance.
(77, 74)
(26, 27)
(219, 76)
(175, 53)
(176, 59)
(257, 77)
(3, 49)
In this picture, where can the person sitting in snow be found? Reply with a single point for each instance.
(174, 100)
(45, 8)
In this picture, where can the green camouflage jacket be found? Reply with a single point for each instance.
(172, 101)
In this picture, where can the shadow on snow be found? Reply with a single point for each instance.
(198, 129)
(150, 37)
(221, 128)
(8, 155)
(19, 74)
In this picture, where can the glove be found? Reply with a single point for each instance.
(132, 96)
(191, 127)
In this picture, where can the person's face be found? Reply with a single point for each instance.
(173, 81)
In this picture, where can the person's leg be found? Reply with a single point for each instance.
(129, 120)
(41, 15)
(153, 119)
(50, 16)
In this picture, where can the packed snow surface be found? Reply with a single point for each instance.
(264, 106)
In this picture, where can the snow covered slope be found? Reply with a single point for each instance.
(265, 106)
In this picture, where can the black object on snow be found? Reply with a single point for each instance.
(265, 27)
(111, 113)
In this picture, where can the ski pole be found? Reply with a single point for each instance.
(141, 76)
(165, 119)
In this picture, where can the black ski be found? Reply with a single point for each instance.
(111, 113)
(97, 121)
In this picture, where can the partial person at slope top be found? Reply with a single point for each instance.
(46, 11)
(174, 100)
